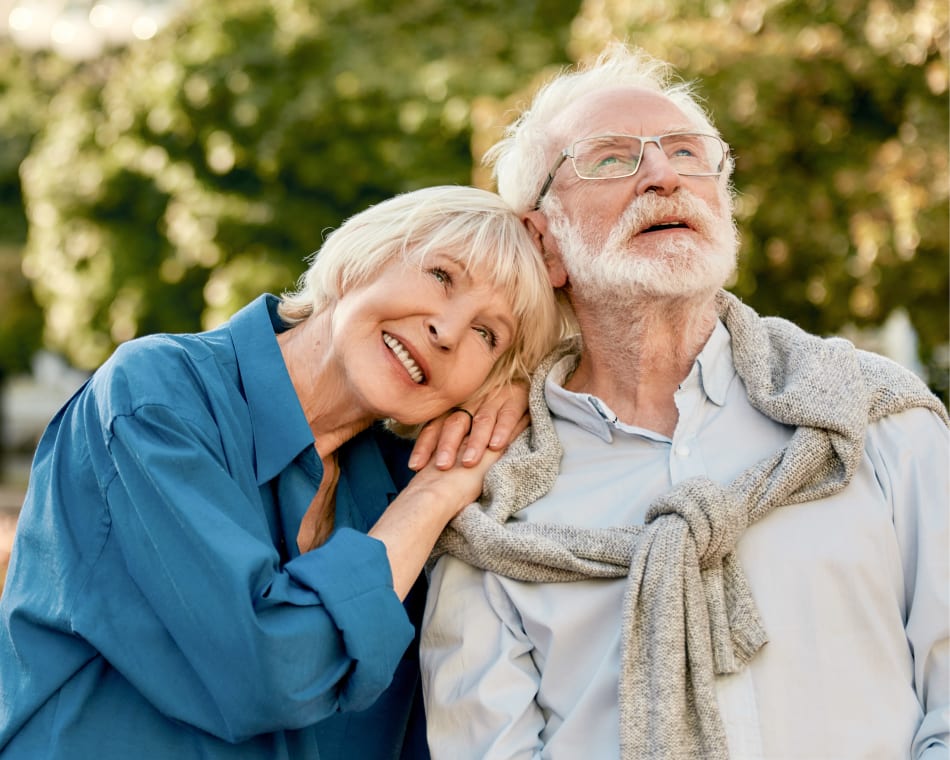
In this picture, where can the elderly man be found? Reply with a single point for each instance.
(722, 537)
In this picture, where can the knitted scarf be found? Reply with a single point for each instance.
(688, 613)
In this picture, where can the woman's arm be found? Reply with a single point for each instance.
(411, 524)
(220, 633)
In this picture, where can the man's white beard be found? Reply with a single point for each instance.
(676, 266)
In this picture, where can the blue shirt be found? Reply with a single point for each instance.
(157, 605)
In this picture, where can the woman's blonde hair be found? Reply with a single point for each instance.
(473, 227)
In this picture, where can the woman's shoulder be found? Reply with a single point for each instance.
(164, 369)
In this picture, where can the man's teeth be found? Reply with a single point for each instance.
(403, 355)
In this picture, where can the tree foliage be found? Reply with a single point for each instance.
(25, 85)
(174, 181)
(204, 166)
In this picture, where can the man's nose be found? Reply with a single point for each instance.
(656, 173)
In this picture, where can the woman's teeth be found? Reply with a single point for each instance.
(403, 355)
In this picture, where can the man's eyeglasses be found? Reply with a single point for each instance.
(691, 154)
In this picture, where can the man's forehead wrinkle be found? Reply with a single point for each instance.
(576, 120)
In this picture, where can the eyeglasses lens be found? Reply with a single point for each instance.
(611, 156)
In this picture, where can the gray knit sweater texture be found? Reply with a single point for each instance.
(688, 612)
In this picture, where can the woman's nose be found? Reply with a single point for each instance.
(442, 333)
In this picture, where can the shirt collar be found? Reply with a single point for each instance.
(281, 430)
(716, 370)
(713, 365)
(582, 409)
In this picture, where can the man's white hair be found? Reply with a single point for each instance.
(522, 158)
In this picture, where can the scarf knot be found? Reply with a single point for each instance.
(715, 517)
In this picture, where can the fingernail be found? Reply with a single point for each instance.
(413, 462)
(469, 455)
(443, 459)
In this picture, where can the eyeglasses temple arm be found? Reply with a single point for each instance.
(547, 183)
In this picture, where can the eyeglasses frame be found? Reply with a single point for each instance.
(655, 139)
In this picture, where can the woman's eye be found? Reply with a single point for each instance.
(488, 336)
(441, 275)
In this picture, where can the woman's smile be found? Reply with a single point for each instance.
(406, 358)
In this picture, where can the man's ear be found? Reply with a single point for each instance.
(537, 225)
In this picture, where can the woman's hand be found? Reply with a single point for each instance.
(494, 424)
(413, 521)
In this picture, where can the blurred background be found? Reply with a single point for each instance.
(162, 162)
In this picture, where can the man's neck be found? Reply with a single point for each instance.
(634, 360)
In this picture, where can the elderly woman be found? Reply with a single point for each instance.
(220, 550)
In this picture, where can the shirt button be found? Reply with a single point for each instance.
(682, 451)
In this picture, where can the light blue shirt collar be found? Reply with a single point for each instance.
(713, 368)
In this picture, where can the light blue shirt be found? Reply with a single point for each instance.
(157, 605)
(853, 592)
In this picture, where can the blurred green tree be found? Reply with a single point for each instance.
(26, 82)
(836, 111)
(174, 182)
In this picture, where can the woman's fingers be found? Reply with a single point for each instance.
(495, 423)
(511, 417)
(443, 437)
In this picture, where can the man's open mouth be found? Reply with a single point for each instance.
(405, 357)
(666, 226)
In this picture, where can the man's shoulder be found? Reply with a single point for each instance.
(917, 430)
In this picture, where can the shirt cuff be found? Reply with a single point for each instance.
(352, 576)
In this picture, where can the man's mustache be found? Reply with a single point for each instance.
(650, 209)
